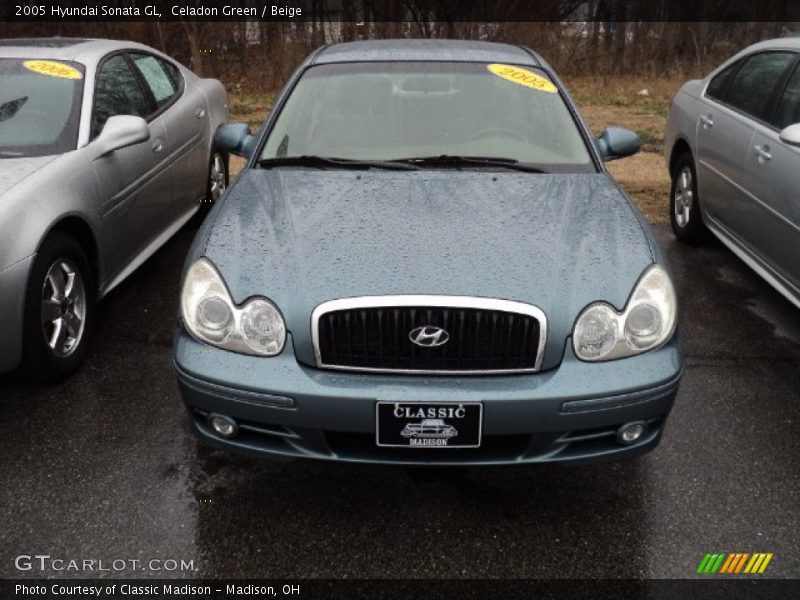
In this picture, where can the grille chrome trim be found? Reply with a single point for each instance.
(393, 301)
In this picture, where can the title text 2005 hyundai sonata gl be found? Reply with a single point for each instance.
(425, 261)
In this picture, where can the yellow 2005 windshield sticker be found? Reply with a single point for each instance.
(524, 77)
(52, 68)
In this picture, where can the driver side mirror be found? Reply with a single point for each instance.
(121, 131)
(235, 138)
(617, 142)
(791, 135)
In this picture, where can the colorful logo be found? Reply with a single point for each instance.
(734, 563)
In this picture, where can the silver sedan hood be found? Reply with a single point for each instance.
(14, 170)
(301, 237)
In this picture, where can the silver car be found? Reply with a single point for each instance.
(733, 150)
(105, 151)
(429, 428)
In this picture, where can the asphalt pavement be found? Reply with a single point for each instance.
(105, 467)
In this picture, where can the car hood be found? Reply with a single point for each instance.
(14, 170)
(301, 237)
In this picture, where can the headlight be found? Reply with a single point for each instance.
(648, 321)
(210, 315)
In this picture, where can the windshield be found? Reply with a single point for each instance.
(39, 106)
(401, 110)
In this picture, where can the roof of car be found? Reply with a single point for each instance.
(87, 51)
(53, 42)
(422, 50)
(775, 43)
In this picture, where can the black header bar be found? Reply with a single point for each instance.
(359, 11)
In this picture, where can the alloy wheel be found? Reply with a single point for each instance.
(216, 177)
(684, 197)
(63, 307)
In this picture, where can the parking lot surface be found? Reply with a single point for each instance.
(105, 467)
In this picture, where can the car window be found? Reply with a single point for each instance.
(157, 73)
(788, 112)
(755, 81)
(397, 110)
(39, 106)
(117, 92)
(717, 85)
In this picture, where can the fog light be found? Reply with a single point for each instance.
(631, 432)
(224, 426)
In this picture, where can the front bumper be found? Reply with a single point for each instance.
(567, 414)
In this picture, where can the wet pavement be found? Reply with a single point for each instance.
(104, 466)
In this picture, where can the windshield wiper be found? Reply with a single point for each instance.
(308, 160)
(449, 160)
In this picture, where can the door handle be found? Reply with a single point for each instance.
(200, 113)
(763, 153)
(158, 146)
(707, 121)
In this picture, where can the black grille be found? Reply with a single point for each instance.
(493, 447)
(479, 339)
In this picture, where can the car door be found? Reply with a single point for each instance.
(774, 166)
(182, 107)
(127, 180)
(735, 100)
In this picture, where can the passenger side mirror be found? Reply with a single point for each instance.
(617, 142)
(121, 131)
(791, 135)
(235, 138)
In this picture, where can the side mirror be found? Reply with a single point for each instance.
(791, 135)
(618, 142)
(235, 138)
(121, 131)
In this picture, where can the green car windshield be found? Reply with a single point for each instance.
(404, 110)
(39, 106)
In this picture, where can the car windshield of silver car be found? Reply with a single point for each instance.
(39, 106)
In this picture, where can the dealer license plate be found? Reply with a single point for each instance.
(428, 425)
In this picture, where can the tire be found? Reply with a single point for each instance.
(684, 204)
(217, 181)
(61, 285)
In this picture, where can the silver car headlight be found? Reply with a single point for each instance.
(648, 321)
(210, 315)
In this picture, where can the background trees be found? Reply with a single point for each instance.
(579, 37)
